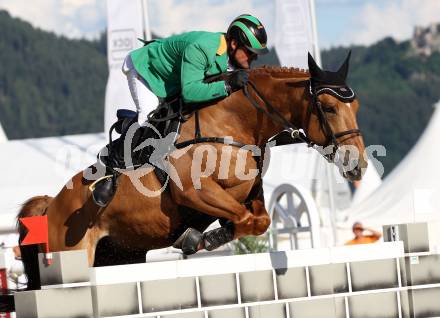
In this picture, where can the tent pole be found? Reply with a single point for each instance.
(329, 168)
(146, 20)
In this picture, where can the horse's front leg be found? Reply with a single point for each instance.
(220, 195)
(216, 201)
(256, 224)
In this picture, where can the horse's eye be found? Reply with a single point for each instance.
(329, 109)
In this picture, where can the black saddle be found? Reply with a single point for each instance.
(125, 118)
(164, 120)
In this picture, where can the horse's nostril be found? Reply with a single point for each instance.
(354, 174)
(358, 172)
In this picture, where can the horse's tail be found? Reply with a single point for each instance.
(35, 206)
(29, 253)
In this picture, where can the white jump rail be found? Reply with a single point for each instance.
(253, 263)
(372, 280)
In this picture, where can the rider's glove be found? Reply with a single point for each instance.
(142, 118)
(236, 81)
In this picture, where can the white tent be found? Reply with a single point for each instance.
(369, 183)
(3, 137)
(41, 166)
(411, 193)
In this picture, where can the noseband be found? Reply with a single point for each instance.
(344, 94)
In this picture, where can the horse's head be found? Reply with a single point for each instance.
(330, 119)
(318, 102)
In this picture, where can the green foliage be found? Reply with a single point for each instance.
(251, 244)
(49, 85)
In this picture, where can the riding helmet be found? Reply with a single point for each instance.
(248, 31)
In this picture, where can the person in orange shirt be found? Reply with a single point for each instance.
(360, 237)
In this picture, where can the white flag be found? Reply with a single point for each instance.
(295, 32)
(126, 21)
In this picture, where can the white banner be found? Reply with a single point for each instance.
(126, 21)
(295, 36)
(295, 32)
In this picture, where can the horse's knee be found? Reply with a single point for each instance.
(258, 208)
(261, 224)
(244, 226)
(252, 225)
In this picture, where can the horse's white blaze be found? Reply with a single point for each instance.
(348, 104)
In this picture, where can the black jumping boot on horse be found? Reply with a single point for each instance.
(192, 240)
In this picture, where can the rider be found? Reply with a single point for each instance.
(180, 63)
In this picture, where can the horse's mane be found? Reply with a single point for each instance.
(281, 72)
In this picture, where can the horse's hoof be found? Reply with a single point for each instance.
(103, 192)
(189, 241)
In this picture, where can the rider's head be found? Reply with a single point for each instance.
(246, 38)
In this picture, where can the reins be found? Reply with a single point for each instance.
(295, 132)
(270, 111)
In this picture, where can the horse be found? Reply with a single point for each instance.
(315, 106)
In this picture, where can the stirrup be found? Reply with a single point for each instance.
(103, 190)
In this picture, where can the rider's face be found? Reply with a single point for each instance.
(243, 57)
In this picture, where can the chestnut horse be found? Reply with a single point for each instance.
(276, 98)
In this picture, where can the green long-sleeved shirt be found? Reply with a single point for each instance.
(178, 64)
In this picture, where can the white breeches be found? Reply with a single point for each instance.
(144, 99)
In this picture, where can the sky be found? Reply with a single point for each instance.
(339, 22)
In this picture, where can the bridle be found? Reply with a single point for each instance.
(331, 137)
(315, 106)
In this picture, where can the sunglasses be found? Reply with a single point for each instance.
(249, 53)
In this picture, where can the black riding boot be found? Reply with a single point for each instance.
(103, 190)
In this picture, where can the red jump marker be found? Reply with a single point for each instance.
(37, 234)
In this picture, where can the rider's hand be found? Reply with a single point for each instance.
(142, 118)
(237, 80)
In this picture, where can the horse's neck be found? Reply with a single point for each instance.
(287, 99)
(236, 117)
(287, 96)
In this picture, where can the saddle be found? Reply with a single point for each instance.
(160, 133)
